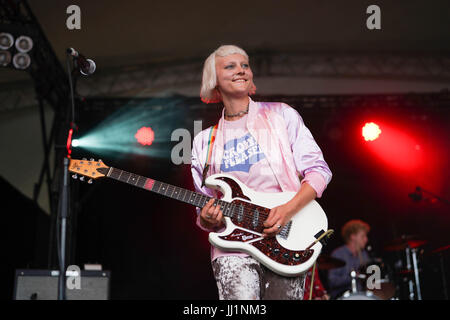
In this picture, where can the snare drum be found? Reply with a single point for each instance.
(363, 295)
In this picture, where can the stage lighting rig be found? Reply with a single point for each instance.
(5, 58)
(24, 44)
(6, 40)
(15, 51)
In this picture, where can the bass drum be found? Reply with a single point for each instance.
(364, 295)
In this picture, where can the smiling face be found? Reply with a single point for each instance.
(234, 76)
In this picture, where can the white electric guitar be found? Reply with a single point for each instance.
(291, 252)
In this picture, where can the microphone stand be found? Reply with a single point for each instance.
(63, 211)
(63, 208)
(417, 195)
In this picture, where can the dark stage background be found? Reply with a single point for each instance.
(152, 245)
(323, 52)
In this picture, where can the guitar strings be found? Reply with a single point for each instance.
(198, 198)
(248, 214)
(204, 198)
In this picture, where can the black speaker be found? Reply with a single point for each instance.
(31, 284)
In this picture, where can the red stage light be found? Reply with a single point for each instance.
(145, 136)
(397, 146)
(371, 131)
(69, 143)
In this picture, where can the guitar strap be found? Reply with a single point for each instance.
(212, 137)
(312, 280)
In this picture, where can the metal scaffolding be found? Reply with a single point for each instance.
(157, 77)
(49, 86)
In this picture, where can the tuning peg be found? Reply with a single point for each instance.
(82, 178)
(74, 176)
(90, 181)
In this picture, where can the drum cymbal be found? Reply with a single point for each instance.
(326, 262)
(404, 242)
(441, 249)
(406, 272)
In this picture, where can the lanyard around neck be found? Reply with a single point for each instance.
(212, 138)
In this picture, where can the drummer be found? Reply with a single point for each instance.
(354, 234)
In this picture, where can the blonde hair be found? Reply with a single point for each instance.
(353, 227)
(208, 92)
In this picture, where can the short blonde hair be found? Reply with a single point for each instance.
(353, 227)
(208, 92)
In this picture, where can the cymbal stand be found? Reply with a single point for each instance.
(353, 275)
(409, 268)
(416, 273)
(444, 280)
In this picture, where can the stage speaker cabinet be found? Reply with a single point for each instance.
(32, 284)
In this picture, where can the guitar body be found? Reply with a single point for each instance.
(291, 252)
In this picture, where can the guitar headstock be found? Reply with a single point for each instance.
(88, 168)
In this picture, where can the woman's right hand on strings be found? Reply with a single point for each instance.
(211, 216)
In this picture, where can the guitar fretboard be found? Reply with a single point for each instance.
(194, 198)
(244, 214)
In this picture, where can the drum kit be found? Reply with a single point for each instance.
(402, 281)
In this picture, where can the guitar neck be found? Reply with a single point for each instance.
(194, 198)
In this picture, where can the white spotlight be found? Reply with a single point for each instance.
(5, 58)
(75, 143)
(6, 41)
(21, 61)
(24, 44)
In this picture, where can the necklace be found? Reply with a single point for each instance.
(240, 113)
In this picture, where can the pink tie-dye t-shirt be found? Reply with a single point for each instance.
(243, 158)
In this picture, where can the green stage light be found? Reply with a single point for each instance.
(118, 132)
(75, 143)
